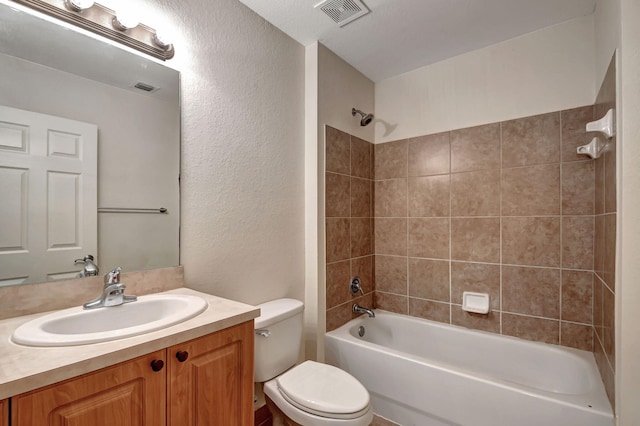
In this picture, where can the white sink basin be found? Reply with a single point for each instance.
(77, 326)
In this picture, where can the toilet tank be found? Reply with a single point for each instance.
(278, 337)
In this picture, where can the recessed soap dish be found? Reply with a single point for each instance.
(475, 302)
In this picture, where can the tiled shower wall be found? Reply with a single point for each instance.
(349, 223)
(605, 243)
(505, 208)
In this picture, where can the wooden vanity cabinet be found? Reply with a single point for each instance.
(211, 379)
(4, 412)
(205, 381)
(126, 394)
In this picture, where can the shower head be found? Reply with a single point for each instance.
(366, 118)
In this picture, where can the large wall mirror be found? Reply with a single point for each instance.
(88, 131)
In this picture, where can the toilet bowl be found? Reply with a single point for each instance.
(311, 393)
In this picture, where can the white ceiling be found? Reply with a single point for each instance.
(402, 35)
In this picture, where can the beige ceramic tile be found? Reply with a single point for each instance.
(574, 132)
(338, 316)
(338, 148)
(390, 160)
(338, 278)
(391, 302)
(475, 193)
(531, 241)
(609, 265)
(577, 336)
(361, 237)
(610, 176)
(485, 322)
(598, 245)
(361, 163)
(578, 188)
(390, 198)
(531, 140)
(429, 238)
(429, 155)
(577, 296)
(530, 328)
(531, 191)
(531, 291)
(608, 325)
(363, 267)
(429, 279)
(434, 311)
(475, 148)
(476, 239)
(577, 242)
(390, 236)
(361, 198)
(391, 274)
(478, 278)
(599, 186)
(338, 195)
(338, 239)
(598, 306)
(429, 196)
(607, 374)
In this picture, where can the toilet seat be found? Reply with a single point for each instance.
(324, 390)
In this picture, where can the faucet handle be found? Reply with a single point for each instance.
(113, 277)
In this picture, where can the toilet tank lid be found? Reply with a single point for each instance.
(277, 310)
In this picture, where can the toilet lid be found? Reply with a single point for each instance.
(324, 389)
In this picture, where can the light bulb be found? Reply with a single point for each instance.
(124, 21)
(161, 41)
(78, 5)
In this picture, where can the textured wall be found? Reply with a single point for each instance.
(242, 149)
(547, 70)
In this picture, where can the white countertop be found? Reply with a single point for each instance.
(24, 368)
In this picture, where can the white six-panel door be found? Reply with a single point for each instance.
(48, 196)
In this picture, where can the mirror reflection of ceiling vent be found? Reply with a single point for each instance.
(146, 87)
(343, 11)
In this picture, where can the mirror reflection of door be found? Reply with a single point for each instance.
(48, 196)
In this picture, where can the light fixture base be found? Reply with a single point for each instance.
(99, 20)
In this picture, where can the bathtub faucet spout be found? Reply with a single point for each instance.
(357, 309)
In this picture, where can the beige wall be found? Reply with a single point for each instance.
(338, 87)
(628, 297)
(547, 70)
(242, 187)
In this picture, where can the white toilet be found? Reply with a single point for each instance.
(310, 394)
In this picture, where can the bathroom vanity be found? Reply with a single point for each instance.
(196, 372)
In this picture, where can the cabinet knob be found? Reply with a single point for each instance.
(182, 355)
(157, 364)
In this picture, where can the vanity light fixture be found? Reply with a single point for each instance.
(124, 22)
(103, 21)
(78, 5)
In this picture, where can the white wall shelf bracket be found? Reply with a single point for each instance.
(594, 149)
(606, 125)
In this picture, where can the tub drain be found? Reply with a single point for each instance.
(361, 331)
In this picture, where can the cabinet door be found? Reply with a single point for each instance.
(211, 379)
(127, 394)
(4, 412)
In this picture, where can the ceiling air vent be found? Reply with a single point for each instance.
(343, 11)
(146, 87)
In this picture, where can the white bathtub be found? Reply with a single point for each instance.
(425, 373)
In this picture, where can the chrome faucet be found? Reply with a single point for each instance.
(90, 268)
(357, 309)
(112, 292)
